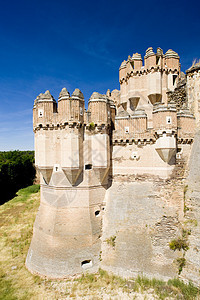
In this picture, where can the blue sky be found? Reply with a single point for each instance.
(80, 44)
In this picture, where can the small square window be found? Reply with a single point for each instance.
(168, 120)
(126, 129)
(40, 113)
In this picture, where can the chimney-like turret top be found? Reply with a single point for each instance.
(108, 93)
(159, 51)
(136, 56)
(149, 52)
(64, 94)
(47, 97)
(98, 97)
(77, 94)
(171, 54)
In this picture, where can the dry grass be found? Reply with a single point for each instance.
(16, 218)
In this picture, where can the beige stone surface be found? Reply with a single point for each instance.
(113, 178)
(144, 220)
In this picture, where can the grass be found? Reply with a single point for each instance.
(6, 288)
(92, 126)
(175, 289)
(178, 244)
(24, 194)
(189, 291)
(111, 241)
(186, 208)
(192, 222)
(16, 283)
(16, 224)
(181, 263)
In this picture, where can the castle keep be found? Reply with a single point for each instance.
(112, 177)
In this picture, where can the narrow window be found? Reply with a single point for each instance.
(174, 79)
(56, 168)
(81, 111)
(158, 60)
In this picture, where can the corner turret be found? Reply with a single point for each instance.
(44, 109)
(44, 116)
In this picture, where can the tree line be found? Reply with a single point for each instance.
(16, 171)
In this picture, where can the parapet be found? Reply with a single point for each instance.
(70, 110)
(168, 61)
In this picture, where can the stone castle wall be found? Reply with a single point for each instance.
(115, 190)
(193, 91)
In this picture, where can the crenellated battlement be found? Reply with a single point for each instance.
(168, 63)
(70, 110)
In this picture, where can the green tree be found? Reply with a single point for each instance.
(16, 171)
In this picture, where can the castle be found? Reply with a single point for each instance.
(112, 177)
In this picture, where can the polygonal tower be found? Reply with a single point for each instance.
(73, 157)
(141, 86)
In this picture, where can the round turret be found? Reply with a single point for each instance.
(71, 109)
(99, 109)
(64, 106)
(150, 58)
(122, 70)
(137, 61)
(164, 117)
(77, 106)
(186, 123)
(44, 109)
(172, 60)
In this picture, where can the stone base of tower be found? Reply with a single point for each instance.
(67, 230)
(56, 261)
